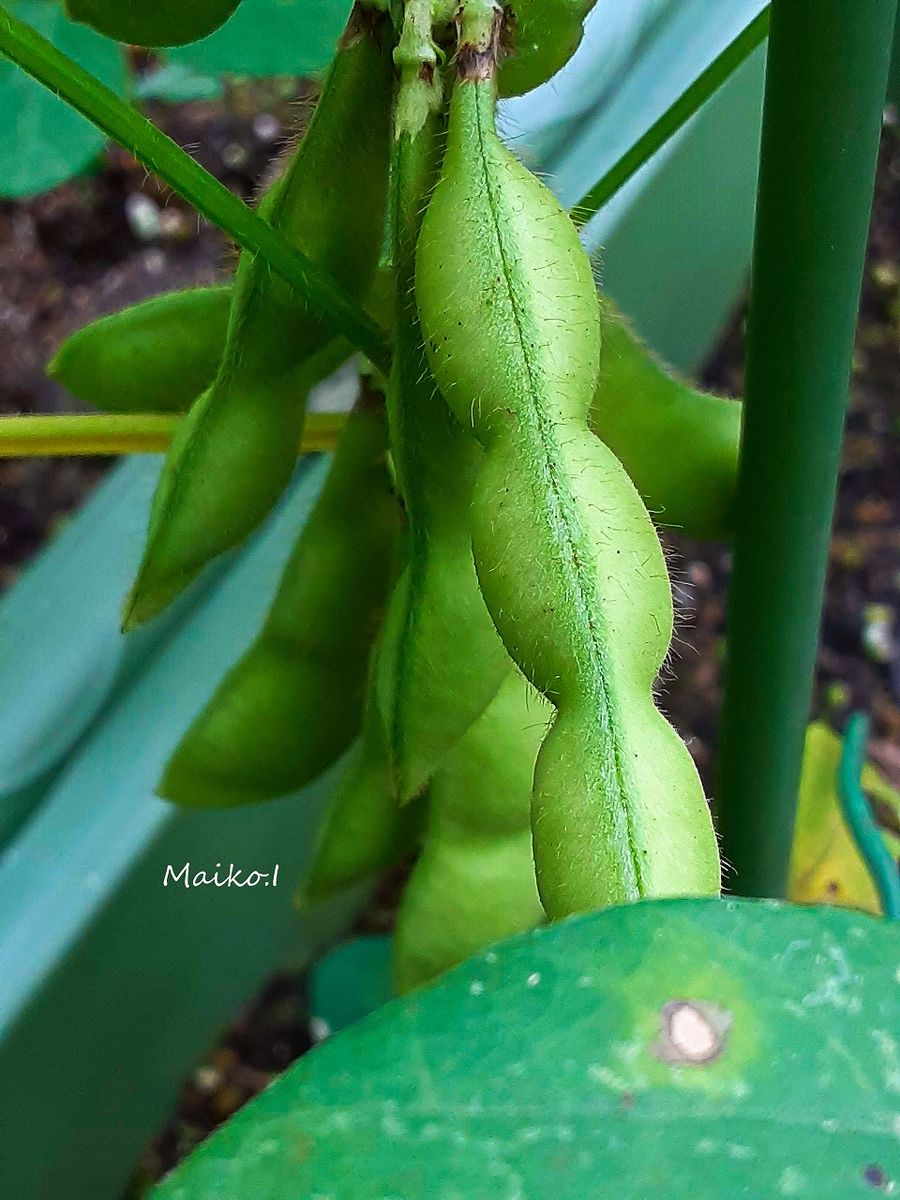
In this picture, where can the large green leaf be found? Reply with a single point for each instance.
(152, 22)
(687, 1050)
(43, 142)
(271, 37)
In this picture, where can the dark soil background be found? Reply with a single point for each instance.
(108, 240)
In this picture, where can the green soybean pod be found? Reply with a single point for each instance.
(292, 705)
(474, 882)
(156, 356)
(365, 831)
(569, 562)
(680, 446)
(441, 660)
(234, 454)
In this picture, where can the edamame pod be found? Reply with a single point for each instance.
(293, 703)
(156, 356)
(365, 831)
(441, 660)
(569, 562)
(679, 446)
(235, 452)
(474, 882)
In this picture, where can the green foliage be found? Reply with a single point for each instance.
(178, 83)
(152, 22)
(270, 37)
(525, 449)
(681, 1049)
(541, 36)
(47, 142)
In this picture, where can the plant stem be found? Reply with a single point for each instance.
(140, 137)
(687, 104)
(131, 433)
(826, 76)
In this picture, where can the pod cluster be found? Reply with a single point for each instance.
(475, 615)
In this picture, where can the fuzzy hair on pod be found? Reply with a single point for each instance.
(567, 557)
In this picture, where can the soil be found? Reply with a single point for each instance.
(98, 244)
(73, 254)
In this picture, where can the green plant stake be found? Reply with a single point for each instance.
(827, 71)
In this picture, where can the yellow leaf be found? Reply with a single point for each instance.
(826, 867)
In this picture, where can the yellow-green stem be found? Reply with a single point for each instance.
(128, 433)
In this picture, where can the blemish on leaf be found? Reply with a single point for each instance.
(694, 1032)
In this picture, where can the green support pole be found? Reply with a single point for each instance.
(825, 85)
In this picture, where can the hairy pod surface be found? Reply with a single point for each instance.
(474, 882)
(234, 454)
(156, 356)
(441, 660)
(569, 562)
(293, 703)
(679, 446)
